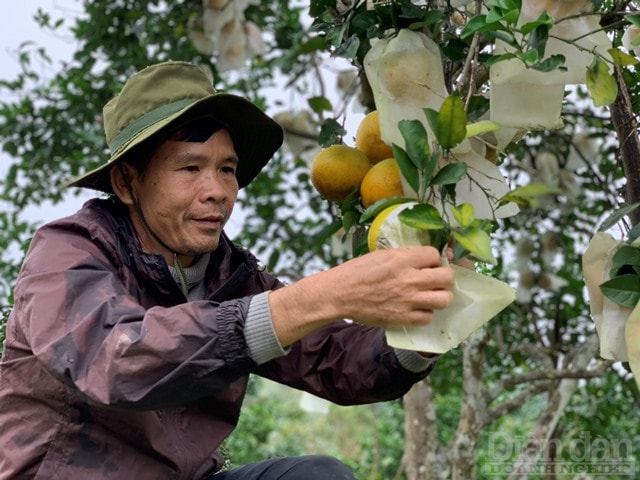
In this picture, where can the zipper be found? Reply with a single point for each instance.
(241, 274)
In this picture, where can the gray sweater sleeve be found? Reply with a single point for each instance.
(413, 361)
(259, 333)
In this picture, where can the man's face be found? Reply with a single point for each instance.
(187, 194)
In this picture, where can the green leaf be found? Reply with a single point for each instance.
(633, 18)
(431, 18)
(328, 231)
(416, 141)
(503, 14)
(618, 215)
(634, 233)
(543, 20)
(477, 242)
(623, 290)
(426, 217)
(335, 35)
(621, 58)
(624, 256)
(312, 45)
(407, 168)
(349, 219)
(432, 119)
(350, 201)
(477, 106)
(464, 214)
(320, 104)
(492, 60)
(482, 126)
(431, 167)
(538, 38)
(476, 24)
(601, 84)
(527, 194)
(506, 37)
(450, 174)
(330, 133)
(348, 49)
(452, 122)
(423, 217)
(506, 4)
(530, 56)
(318, 7)
(373, 210)
(535, 189)
(273, 259)
(554, 62)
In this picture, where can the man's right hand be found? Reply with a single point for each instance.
(384, 288)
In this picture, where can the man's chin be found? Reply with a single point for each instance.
(204, 248)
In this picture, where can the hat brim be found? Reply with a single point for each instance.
(256, 137)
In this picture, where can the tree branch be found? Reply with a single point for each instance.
(516, 401)
(568, 372)
(548, 420)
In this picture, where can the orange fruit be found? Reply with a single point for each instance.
(387, 231)
(383, 180)
(374, 228)
(369, 139)
(335, 170)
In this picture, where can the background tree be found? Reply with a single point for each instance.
(532, 380)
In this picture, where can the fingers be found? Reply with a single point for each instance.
(418, 257)
(395, 287)
(461, 262)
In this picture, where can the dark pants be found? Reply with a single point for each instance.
(308, 467)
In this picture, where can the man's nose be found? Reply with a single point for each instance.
(213, 187)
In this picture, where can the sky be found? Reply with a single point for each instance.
(16, 27)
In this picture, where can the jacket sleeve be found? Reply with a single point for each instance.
(76, 312)
(347, 364)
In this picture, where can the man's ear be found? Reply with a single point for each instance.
(121, 182)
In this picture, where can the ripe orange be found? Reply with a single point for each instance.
(387, 231)
(383, 180)
(369, 139)
(336, 169)
(374, 228)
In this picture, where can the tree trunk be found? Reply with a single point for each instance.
(423, 457)
(626, 127)
(464, 446)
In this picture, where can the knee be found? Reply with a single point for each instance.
(326, 467)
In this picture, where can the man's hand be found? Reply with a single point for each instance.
(384, 288)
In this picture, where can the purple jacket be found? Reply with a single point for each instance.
(108, 372)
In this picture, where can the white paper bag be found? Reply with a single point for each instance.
(477, 299)
(610, 319)
(618, 327)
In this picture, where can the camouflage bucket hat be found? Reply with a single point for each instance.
(168, 94)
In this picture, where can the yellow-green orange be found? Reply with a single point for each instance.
(374, 228)
(383, 180)
(387, 230)
(369, 139)
(335, 170)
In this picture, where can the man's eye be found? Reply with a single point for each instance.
(231, 170)
(191, 168)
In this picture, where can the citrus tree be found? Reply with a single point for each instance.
(540, 97)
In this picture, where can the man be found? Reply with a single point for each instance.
(137, 321)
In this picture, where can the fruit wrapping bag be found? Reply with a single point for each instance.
(618, 327)
(477, 299)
